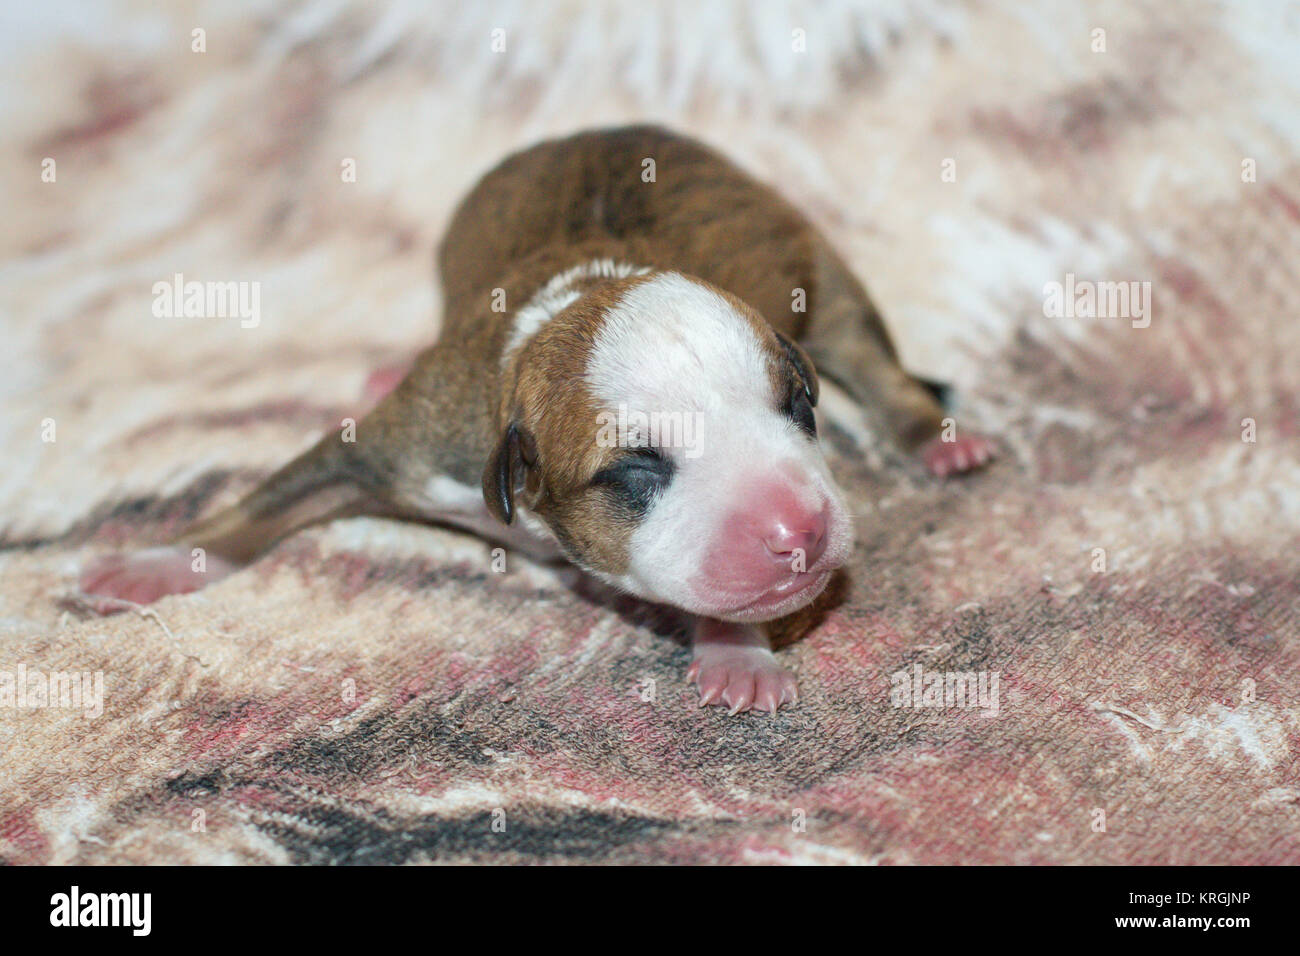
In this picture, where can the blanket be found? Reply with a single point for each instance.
(1084, 216)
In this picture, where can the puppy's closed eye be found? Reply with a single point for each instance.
(636, 479)
(801, 397)
(799, 406)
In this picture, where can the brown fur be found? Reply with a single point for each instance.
(570, 200)
(545, 396)
(539, 213)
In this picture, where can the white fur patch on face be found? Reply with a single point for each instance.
(558, 294)
(676, 358)
(674, 344)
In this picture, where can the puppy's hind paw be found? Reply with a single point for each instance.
(382, 381)
(117, 581)
(963, 453)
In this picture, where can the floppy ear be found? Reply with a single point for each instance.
(505, 471)
(803, 365)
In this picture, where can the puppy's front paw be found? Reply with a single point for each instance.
(739, 678)
(143, 577)
(963, 453)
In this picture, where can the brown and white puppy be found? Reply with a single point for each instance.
(625, 379)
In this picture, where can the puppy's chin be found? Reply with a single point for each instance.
(777, 602)
(774, 603)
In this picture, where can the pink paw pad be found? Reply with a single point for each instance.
(382, 381)
(739, 678)
(143, 577)
(963, 453)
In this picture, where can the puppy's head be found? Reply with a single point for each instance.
(663, 434)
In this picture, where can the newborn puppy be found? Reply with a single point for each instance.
(625, 379)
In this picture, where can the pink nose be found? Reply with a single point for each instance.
(791, 532)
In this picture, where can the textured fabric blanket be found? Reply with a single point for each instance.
(1084, 216)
